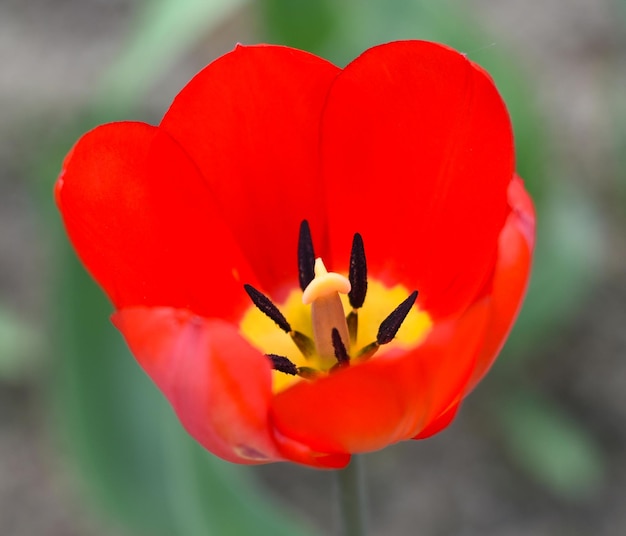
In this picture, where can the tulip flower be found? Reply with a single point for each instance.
(309, 261)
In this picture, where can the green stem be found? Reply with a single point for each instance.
(351, 487)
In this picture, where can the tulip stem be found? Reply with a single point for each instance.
(351, 487)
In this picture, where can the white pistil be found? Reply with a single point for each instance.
(326, 309)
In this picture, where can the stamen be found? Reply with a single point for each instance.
(352, 321)
(266, 306)
(309, 373)
(306, 255)
(368, 351)
(283, 364)
(390, 326)
(340, 350)
(358, 273)
(358, 283)
(305, 344)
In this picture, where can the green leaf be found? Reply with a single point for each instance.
(303, 24)
(550, 445)
(108, 412)
(20, 346)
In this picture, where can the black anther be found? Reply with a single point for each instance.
(358, 272)
(283, 364)
(340, 349)
(352, 321)
(306, 256)
(390, 326)
(266, 306)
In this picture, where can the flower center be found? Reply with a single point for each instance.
(319, 339)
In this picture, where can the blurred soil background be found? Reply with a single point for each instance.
(467, 481)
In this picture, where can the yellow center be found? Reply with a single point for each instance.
(264, 335)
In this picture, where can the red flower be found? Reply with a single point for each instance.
(410, 146)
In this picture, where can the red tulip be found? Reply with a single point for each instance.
(194, 229)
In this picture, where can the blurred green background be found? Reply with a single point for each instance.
(87, 445)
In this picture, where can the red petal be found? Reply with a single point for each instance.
(390, 398)
(441, 422)
(219, 386)
(505, 290)
(250, 122)
(220, 397)
(417, 154)
(143, 222)
(510, 277)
